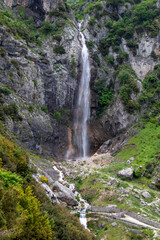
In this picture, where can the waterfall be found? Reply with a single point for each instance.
(82, 111)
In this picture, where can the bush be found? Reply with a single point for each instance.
(59, 50)
(2, 52)
(110, 59)
(58, 38)
(105, 97)
(123, 56)
(15, 63)
(31, 108)
(124, 76)
(48, 28)
(90, 44)
(14, 158)
(57, 116)
(11, 110)
(125, 92)
(5, 90)
(44, 109)
(96, 59)
(151, 82)
(92, 21)
(43, 179)
(132, 106)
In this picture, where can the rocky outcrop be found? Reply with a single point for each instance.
(64, 194)
(143, 62)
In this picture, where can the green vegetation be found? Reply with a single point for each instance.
(127, 80)
(2, 52)
(23, 27)
(59, 50)
(25, 210)
(105, 95)
(144, 147)
(150, 94)
(44, 109)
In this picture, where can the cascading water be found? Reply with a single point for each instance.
(82, 112)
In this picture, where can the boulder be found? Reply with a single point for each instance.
(126, 173)
(64, 194)
(146, 195)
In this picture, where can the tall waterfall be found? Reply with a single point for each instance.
(82, 112)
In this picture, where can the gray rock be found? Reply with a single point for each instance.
(126, 173)
(114, 224)
(112, 181)
(146, 195)
(128, 162)
(64, 194)
(131, 159)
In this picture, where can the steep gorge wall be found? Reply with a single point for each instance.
(42, 86)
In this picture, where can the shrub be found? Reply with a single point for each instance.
(31, 108)
(13, 159)
(105, 97)
(44, 109)
(43, 179)
(138, 172)
(124, 76)
(5, 90)
(110, 59)
(123, 56)
(2, 52)
(17, 152)
(58, 38)
(92, 21)
(142, 98)
(108, 24)
(133, 45)
(57, 116)
(11, 110)
(153, 55)
(59, 50)
(48, 28)
(15, 63)
(96, 59)
(150, 82)
(132, 106)
(125, 92)
(90, 44)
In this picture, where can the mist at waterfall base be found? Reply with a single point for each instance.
(82, 110)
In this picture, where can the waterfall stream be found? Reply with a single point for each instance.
(82, 113)
(82, 110)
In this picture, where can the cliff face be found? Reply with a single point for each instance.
(43, 85)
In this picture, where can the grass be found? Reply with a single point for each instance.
(143, 147)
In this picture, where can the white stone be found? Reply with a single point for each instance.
(126, 173)
(146, 195)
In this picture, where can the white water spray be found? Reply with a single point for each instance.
(82, 112)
